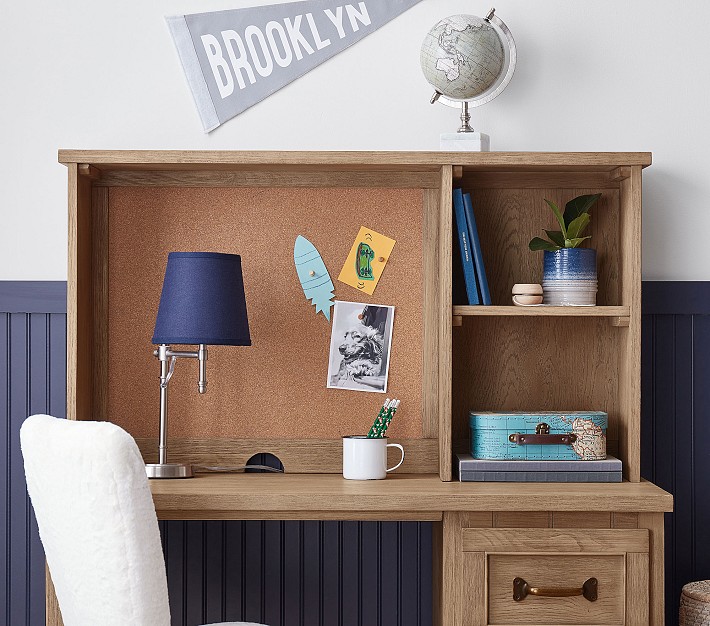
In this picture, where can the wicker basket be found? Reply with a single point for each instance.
(695, 604)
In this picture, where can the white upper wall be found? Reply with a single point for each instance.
(595, 75)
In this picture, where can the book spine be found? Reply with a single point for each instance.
(477, 253)
(469, 271)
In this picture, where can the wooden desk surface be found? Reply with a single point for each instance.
(399, 497)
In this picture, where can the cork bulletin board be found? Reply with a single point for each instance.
(275, 389)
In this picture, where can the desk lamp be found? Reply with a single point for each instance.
(202, 303)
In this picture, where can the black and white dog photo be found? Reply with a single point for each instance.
(360, 346)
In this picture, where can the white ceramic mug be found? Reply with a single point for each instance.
(365, 458)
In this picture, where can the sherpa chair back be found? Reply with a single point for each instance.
(97, 522)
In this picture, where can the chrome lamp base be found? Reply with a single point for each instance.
(168, 470)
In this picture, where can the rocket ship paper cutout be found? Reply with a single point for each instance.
(314, 277)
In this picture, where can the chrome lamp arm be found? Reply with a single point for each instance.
(167, 358)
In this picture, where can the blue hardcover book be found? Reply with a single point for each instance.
(476, 246)
(465, 247)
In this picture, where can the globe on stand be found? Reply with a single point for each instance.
(468, 61)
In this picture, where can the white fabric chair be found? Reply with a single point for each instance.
(97, 522)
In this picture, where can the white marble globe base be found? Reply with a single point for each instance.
(465, 142)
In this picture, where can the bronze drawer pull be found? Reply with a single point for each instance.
(542, 437)
(521, 589)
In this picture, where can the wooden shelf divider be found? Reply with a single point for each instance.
(542, 311)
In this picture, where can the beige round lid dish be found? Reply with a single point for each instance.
(527, 289)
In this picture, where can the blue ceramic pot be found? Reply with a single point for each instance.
(570, 264)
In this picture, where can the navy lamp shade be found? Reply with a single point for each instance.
(202, 301)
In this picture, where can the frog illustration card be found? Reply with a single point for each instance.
(367, 260)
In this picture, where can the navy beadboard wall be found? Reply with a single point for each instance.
(32, 380)
(299, 573)
(675, 408)
(345, 573)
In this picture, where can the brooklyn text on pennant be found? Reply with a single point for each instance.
(234, 59)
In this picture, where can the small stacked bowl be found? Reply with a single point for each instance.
(570, 277)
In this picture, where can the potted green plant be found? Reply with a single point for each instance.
(569, 271)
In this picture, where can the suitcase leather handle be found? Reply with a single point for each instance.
(542, 440)
(521, 589)
(542, 437)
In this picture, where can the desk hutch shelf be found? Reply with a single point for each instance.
(127, 209)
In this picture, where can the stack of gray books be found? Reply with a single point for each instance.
(485, 470)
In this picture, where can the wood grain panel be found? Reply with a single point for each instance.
(556, 571)
(539, 360)
(548, 540)
(630, 355)
(311, 456)
(520, 179)
(474, 596)
(588, 519)
(553, 161)
(313, 516)
(100, 293)
(542, 311)
(266, 178)
(448, 572)
(431, 312)
(624, 520)
(444, 319)
(477, 519)
(654, 524)
(79, 298)
(284, 372)
(518, 519)
(399, 492)
(637, 608)
(606, 240)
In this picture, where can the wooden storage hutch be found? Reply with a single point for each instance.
(497, 357)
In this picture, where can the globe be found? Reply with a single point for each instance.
(462, 57)
(468, 60)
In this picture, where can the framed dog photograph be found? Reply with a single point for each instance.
(360, 345)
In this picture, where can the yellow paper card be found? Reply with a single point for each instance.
(367, 260)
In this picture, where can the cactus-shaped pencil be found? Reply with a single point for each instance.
(374, 429)
(383, 420)
(387, 418)
(394, 405)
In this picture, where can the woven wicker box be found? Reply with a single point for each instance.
(695, 604)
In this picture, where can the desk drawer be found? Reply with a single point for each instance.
(555, 576)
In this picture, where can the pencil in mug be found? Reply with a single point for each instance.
(389, 415)
(387, 418)
(382, 421)
(374, 429)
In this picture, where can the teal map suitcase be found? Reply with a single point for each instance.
(547, 435)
